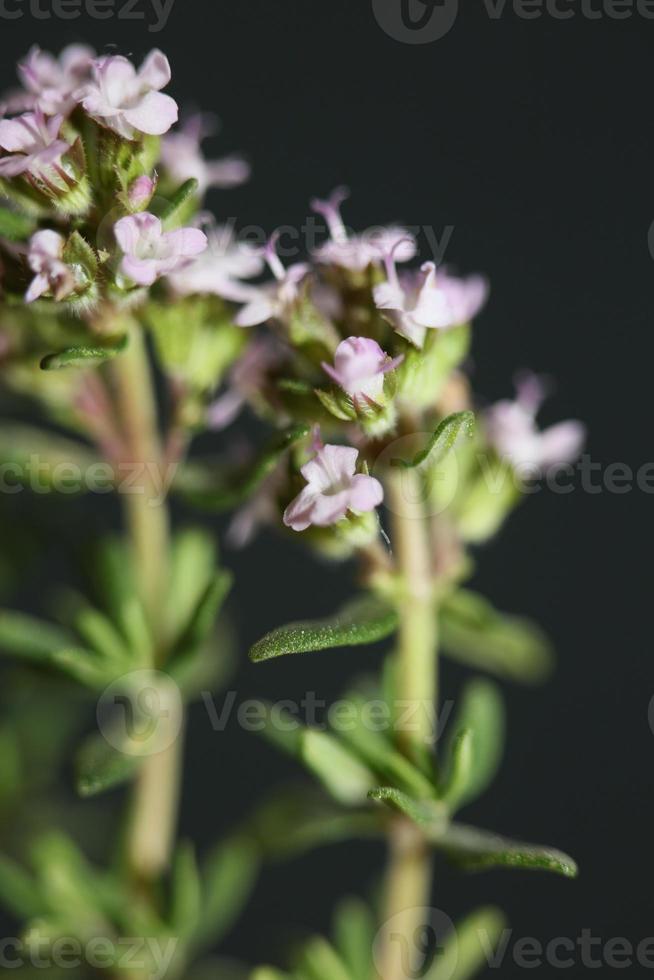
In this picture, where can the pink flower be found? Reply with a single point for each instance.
(150, 252)
(272, 300)
(45, 258)
(140, 192)
(221, 268)
(51, 82)
(333, 488)
(359, 368)
(511, 429)
(428, 300)
(127, 101)
(357, 252)
(182, 157)
(33, 144)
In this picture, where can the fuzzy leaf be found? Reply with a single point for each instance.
(475, 752)
(219, 489)
(337, 404)
(442, 440)
(78, 252)
(476, 634)
(380, 754)
(100, 767)
(83, 356)
(478, 850)
(465, 952)
(426, 813)
(347, 779)
(188, 190)
(364, 620)
(302, 820)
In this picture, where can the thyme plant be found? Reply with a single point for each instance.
(136, 323)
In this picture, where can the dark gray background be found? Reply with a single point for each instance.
(533, 139)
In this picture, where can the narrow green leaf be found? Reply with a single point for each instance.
(83, 356)
(192, 643)
(320, 961)
(187, 899)
(426, 813)
(100, 767)
(337, 405)
(188, 190)
(354, 935)
(295, 822)
(193, 562)
(219, 488)
(464, 953)
(478, 850)
(18, 890)
(228, 877)
(346, 778)
(477, 635)
(481, 714)
(29, 638)
(442, 440)
(15, 226)
(364, 620)
(85, 666)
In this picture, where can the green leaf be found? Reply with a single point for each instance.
(191, 644)
(425, 813)
(464, 953)
(100, 767)
(337, 405)
(187, 899)
(228, 877)
(476, 634)
(347, 779)
(188, 190)
(476, 750)
(302, 820)
(442, 440)
(29, 638)
(85, 667)
(219, 489)
(18, 890)
(354, 936)
(362, 621)
(84, 356)
(320, 961)
(53, 461)
(193, 562)
(478, 850)
(15, 226)
(117, 588)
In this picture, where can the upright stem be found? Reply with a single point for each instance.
(156, 792)
(409, 872)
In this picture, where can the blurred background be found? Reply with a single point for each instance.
(529, 140)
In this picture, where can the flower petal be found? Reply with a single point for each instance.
(154, 114)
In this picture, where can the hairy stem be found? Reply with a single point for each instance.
(155, 800)
(408, 876)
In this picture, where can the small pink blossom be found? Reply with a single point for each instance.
(33, 145)
(182, 157)
(272, 300)
(150, 252)
(221, 268)
(359, 368)
(357, 252)
(427, 300)
(45, 258)
(127, 101)
(511, 429)
(51, 82)
(140, 192)
(333, 488)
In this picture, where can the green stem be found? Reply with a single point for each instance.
(409, 871)
(156, 793)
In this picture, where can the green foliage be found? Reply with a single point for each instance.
(476, 748)
(465, 952)
(14, 226)
(44, 460)
(173, 213)
(362, 621)
(84, 356)
(476, 634)
(442, 441)
(220, 488)
(478, 850)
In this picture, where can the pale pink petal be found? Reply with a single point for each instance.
(187, 242)
(154, 114)
(366, 493)
(562, 443)
(142, 271)
(155, 71)
(298, 513)
(257, 311)
(39, 285)
(329, 509)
